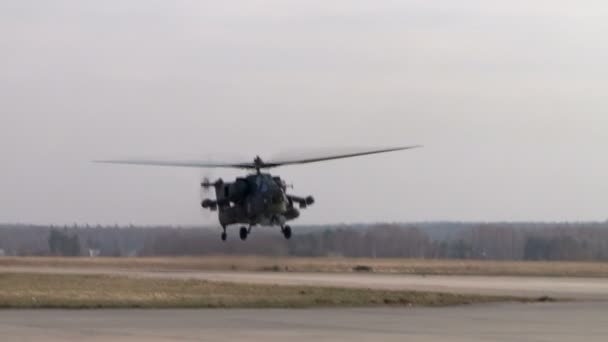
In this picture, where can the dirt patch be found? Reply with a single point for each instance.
(101, 291)
(328, 265)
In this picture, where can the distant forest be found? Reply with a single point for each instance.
(492, 241)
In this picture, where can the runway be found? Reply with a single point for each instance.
(558, 287)
(583, 319)
(577, 321)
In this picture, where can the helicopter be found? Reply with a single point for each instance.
(258, 198)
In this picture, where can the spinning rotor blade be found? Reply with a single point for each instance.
(179, 163)
(257, 163)
(269, 164)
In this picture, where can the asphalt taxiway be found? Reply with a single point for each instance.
(576, 321)
(582, 319)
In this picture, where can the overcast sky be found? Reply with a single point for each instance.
(510, 99)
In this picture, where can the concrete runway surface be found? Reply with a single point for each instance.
(576, 321)
(581, 320)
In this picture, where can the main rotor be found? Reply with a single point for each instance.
(258, 163)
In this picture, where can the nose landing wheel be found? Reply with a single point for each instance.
(224, 236)
(286, 232)
(243, 233)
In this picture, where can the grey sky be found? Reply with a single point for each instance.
(509, 98)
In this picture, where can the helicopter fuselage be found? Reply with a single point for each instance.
(256, 199)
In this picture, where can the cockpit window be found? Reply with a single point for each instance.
(262, 183)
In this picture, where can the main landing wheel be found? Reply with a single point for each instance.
(243, 233)
(224, 236)
(287, 232)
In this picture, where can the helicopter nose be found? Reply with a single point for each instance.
(278, 197)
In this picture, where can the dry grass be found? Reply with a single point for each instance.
(334, 265)
(100, 291)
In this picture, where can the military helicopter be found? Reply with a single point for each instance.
(258, 198)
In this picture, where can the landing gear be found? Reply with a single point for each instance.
(286, 232)
(243, 233)
(224, 236)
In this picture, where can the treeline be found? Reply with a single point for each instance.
(493, 241)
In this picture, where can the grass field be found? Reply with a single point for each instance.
(334, 265)
(100, 291)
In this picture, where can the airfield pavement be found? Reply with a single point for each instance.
(578, 321)
(583, 318)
